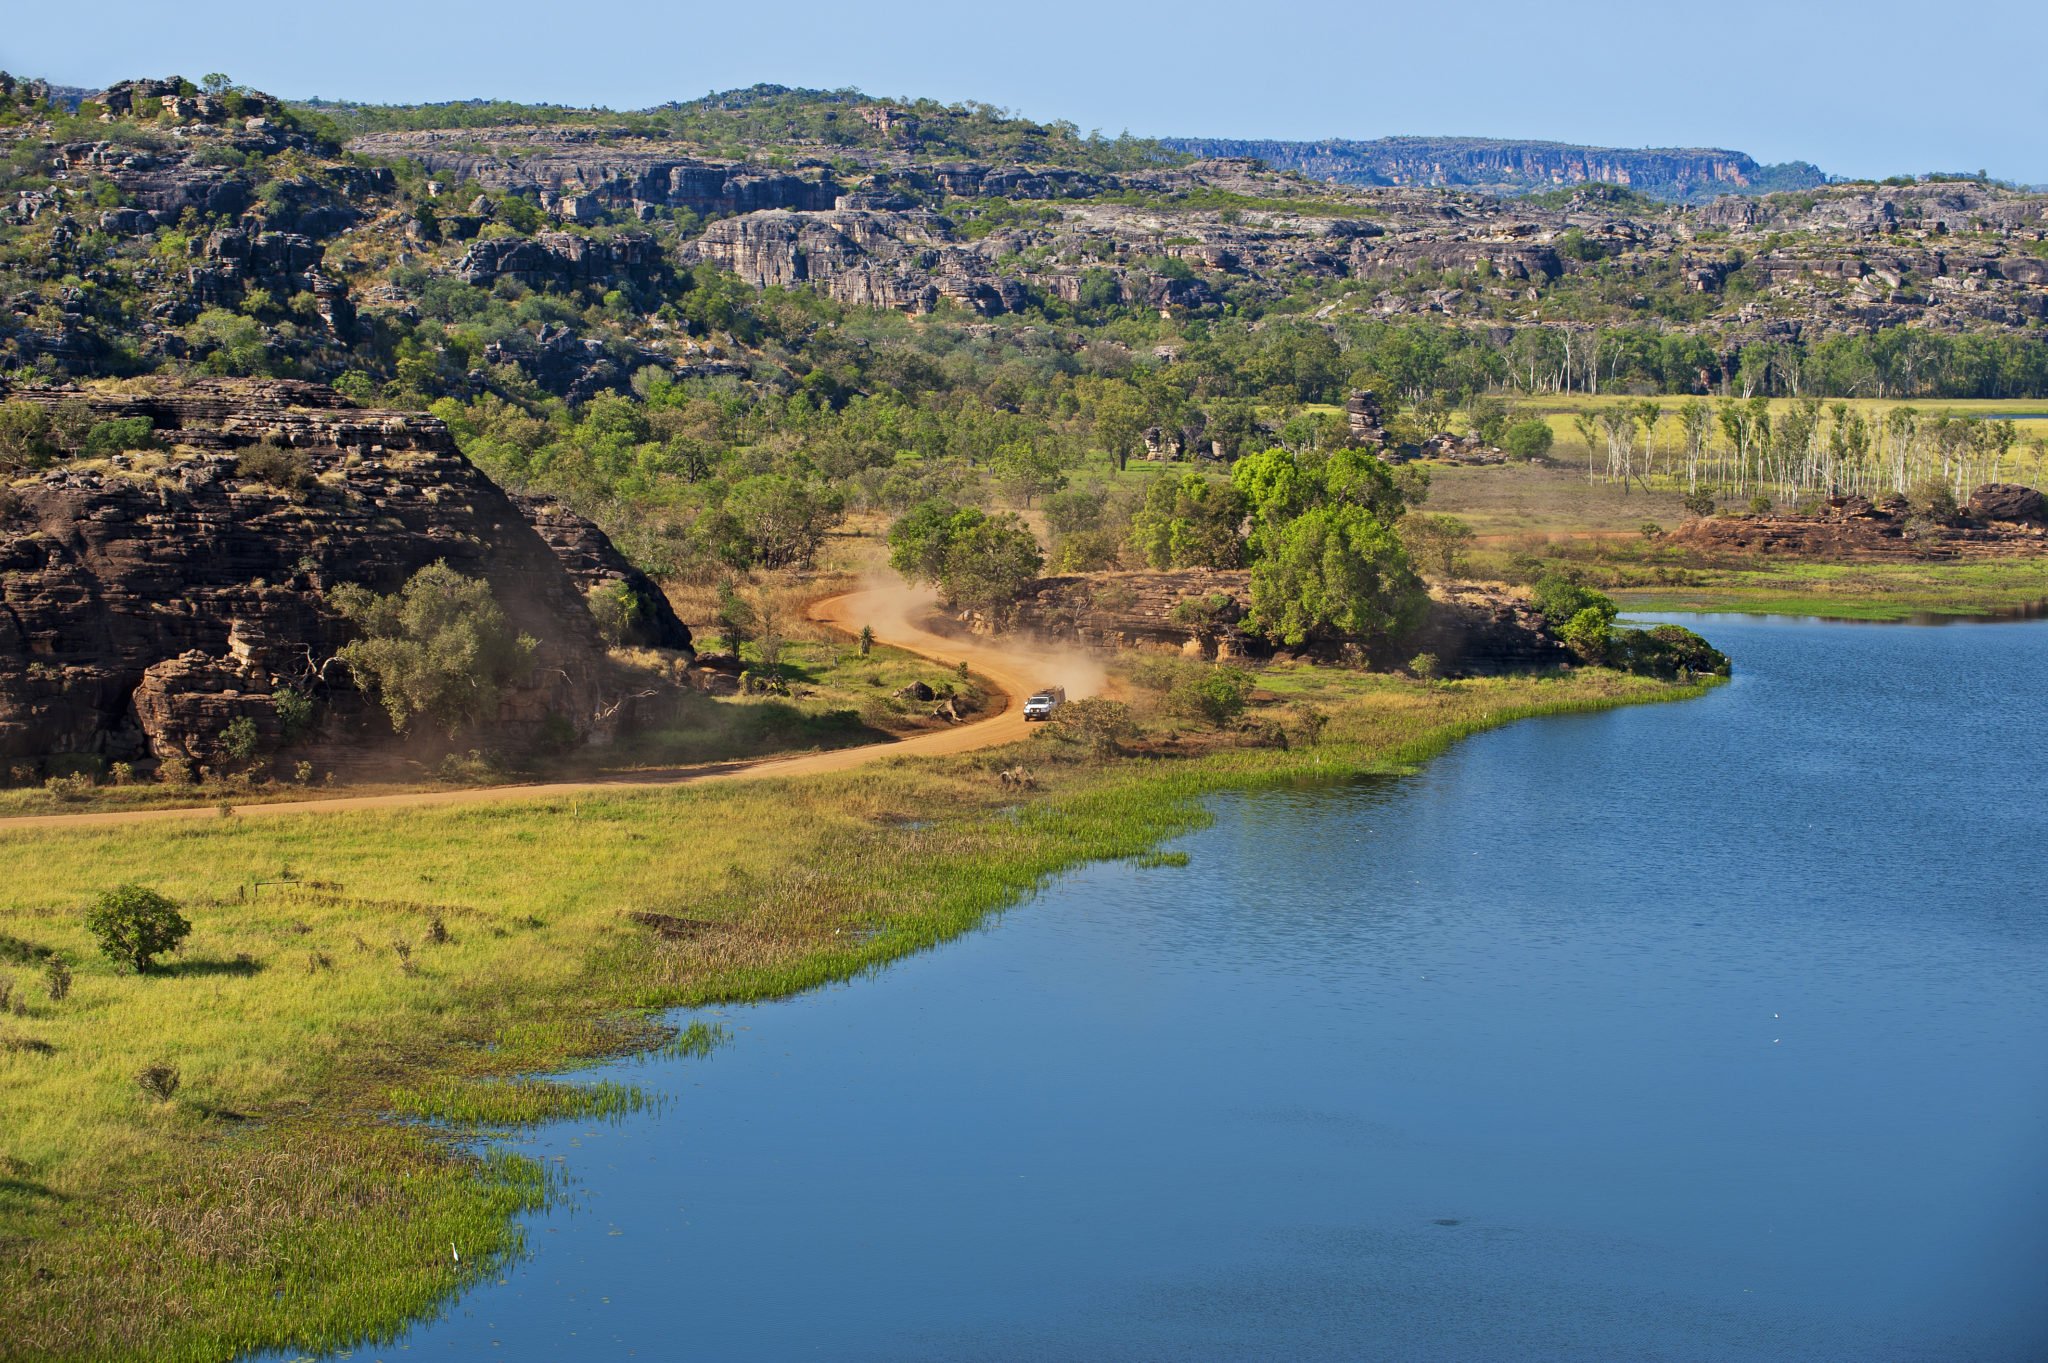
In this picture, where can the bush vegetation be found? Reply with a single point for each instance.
(134, 926)
(438, 649)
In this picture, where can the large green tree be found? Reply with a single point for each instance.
(976, 560)
(1190, 521)
(1335, 570)
(438, 649)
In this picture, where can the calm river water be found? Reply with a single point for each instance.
(1710, 1031)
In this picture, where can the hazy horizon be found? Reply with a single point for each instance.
(1780, 82)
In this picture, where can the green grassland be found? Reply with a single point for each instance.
(1501, 502)
(2032, 412)
(348, 970)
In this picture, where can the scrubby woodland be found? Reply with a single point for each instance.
(715, 326)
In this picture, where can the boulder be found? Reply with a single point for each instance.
(2012, 503)
(186, 704)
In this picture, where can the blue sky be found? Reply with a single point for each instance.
(1878, 87)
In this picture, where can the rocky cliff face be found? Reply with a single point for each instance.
(1512, 167)
(1472, 628)
(150, 599)
(574, 180)
(562, 260)
(863, 257)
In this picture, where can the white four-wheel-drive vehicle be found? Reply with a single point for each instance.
(1043, 703)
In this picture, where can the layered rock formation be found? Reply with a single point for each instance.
(574, 179)
(150, 599)
(1471, 628)
(285, 264)
(862, 257)
(562, 260)
(1999, 519)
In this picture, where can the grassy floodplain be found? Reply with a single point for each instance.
(2029, 414)
(352, 973)
(1524, 513)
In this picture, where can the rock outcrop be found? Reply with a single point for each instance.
(572, 178)
(286, 264)
(2008, 503)
(872, 259)
(1471, 628)
(562, 260)
(149, 599)
(592, 561)
(2000, 519)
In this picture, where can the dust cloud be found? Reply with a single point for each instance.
(903, 616)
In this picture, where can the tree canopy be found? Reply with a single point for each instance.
(438, 649)
(978, 561)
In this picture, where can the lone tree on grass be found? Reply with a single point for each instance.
(134, 925)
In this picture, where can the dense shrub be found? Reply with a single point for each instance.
(1559, 598)
(1666, 651)
(116, 437)
(1529, 439)
(286, 470)
(1588, 633)
(296, 710)
(1213, 695)
(27, 439)
(1190, 522)
(1102, 726)
(616, 608)
(134, 925)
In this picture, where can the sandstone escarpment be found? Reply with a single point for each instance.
(1512, 166)
(149, 599)
(575, 181)
(860, 257)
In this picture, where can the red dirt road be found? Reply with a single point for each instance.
(889, 611)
